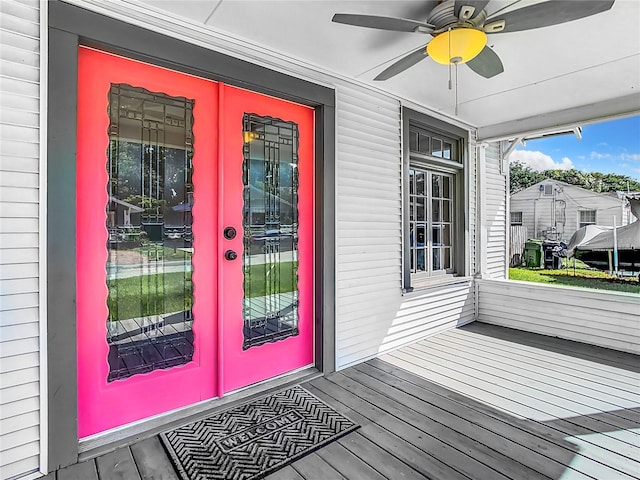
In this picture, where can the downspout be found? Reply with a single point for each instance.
(535, 218)
(615, 246)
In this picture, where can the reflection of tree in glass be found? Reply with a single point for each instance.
(126, 169)
(150, 177)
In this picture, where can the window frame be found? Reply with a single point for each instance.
(458, 169)
(430, 224)
(582, 223)
(511, 222)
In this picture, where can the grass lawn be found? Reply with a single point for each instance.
(155, 294)
(163, 253)
(583, 277)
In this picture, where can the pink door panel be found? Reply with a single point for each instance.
(146, 331)
(267, 292)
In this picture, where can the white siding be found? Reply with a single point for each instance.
(372, 316)
(607, 319)
(19, 179)
(495, 215)
(537, 213)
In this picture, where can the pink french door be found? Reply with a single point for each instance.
(194, 258)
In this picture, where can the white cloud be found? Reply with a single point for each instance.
(539, 161)
(624, 157)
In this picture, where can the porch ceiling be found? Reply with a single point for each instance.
(595, 60)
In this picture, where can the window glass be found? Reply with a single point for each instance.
(436, 147)
(270, 224)
(587, 217)
(413, 141)
(149, 220)
(446, 151)
(516, 218)
(435, 185)
(424, 143)
(431, 223)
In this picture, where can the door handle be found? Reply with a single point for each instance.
(230, 255)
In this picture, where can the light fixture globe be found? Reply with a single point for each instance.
(458, 45)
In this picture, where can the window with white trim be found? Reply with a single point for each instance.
(586, 217)
(431, 195)
(516, 218)
(433, 201)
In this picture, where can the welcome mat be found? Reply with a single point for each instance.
(255, 439)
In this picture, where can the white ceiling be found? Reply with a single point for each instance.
(587, 61)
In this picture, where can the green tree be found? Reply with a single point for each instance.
(523, 177)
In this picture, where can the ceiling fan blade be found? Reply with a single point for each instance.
(486, 64)
(547, 13)
(383, 23)
(402, 64)
(477, 4)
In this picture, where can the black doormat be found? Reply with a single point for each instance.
(255, 439)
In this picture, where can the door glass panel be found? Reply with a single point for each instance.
(270, 222)
(149, 223)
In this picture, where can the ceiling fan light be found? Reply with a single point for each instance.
(457, 46)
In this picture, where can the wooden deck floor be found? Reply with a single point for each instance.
(480, 402)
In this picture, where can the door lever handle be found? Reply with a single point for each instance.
(230, 255)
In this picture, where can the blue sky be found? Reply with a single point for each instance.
(608, 147)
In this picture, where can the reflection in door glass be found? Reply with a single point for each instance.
(150, 240)
(270, 222)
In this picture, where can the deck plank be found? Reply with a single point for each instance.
(381, 460)
(485, 448)
(312, 467)
(559, 367)
(117, 465)
(507, 378)
(80, 471)
(593, 353)
(152, 460)
(506, 406)
(404, 451)
(531, 400)
(585, 401)
(431, 444)
(349, 465)
(519, 445)
(285, 473)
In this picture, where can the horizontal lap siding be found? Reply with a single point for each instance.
(606, 319)
(19, 237)
(368, 215)
(372, 314)
(495, 204)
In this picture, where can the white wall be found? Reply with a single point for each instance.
(19, 237)
(494, 206)
(607, 319)
(372, 314)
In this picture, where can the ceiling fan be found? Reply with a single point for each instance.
(460, 27)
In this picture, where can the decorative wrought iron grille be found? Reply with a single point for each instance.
(270, 221)
(149, 163)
